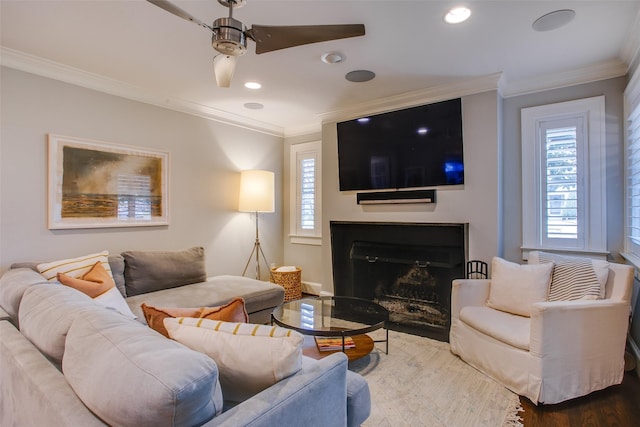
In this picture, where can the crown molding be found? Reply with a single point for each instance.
(592, 73)
(57, 71)
(630, 53)
(468, 86)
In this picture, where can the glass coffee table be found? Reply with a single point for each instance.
(345, 319)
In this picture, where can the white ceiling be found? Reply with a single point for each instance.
(135, 49)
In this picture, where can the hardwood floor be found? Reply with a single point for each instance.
(616, 406)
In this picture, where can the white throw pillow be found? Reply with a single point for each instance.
(77, 268)
(114, 300)
(250, 357)
(515, 287)
(574, 278)
(74, 267)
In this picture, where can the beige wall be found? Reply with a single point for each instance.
(205, 160)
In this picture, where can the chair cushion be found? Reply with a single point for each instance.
(574, 278)
(147, 271)
(128, 374)
(515, 287)
(250, 357)
(509, 328)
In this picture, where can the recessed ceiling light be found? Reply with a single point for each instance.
(423, 131)
(359, 76)
(252, 85)
(332, 57)
(457, 15)
(253, 106)
(553, 20)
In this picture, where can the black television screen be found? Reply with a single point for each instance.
(414, 147)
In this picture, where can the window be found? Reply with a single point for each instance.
(306, 179)
(563, 177)
(632, 170)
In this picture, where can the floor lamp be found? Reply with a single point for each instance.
(257, 194)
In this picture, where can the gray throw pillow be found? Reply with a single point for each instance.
(116, 263)
(148, 271)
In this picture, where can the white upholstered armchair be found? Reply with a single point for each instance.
(563, 350)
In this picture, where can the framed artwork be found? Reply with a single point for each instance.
(95, 184)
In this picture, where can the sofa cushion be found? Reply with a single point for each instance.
(219, 290)
(515, 287)
(99, 285)
(232, 312)
(129, 375)
(13, 284)
(147, 271)
(250, 357)
(509, 328)
(74, 267)
(574, 278)
(46, 313)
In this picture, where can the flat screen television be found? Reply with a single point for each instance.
(414, 147)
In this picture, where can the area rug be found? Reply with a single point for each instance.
(421, 383)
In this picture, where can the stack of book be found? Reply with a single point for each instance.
(334, 343)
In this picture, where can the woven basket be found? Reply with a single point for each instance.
(291, 281)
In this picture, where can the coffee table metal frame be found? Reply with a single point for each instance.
(381, 313)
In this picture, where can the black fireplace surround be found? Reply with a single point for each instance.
(405, 267)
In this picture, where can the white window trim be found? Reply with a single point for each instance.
(593, 109)
(631, 106)
(296, 235)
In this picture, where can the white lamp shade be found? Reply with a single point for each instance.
(257, 191)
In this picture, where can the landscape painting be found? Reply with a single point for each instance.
(94, 184)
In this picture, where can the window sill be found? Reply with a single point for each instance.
(569, 252)
(631, 259)
(305, 240)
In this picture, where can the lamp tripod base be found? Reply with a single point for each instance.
(256, 252)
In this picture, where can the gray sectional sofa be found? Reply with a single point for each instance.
(69, 361)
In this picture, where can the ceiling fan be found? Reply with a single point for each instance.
(230, 36)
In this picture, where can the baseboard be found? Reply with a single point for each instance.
(311, 288)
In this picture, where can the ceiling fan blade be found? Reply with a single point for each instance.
(172, 8)
(270, 38)
(223, 67)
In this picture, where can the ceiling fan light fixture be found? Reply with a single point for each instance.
(457, 15)
(223, 67)
(229, 36)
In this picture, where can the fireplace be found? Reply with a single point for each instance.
(405, 267)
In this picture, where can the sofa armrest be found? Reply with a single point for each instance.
(579, 329)
(468, 292)
(314, 396)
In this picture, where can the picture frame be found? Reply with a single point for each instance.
(94, 184)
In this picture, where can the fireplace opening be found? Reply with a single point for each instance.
(405, 267)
